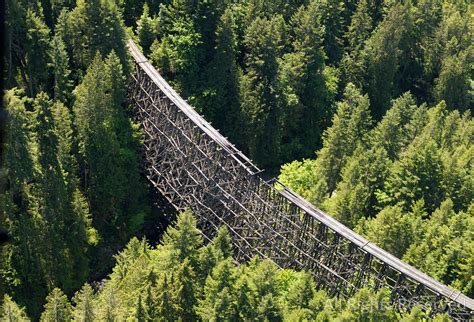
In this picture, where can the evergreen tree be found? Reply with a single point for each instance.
(353, 62)
(333, 21)
(54, 228)
(38, 52)
(447, 46)
(217, 303)
(394, 132)
(207, 15)
(454, 84)
(409, 75)
(60, 64)
(262, 280)
(57, 307)
(260, 88)
(140, 313)
(267, 309)
(63, 129)
(222, 244)
(360, 27)
(27, 46)
(183, 241)
(24, 259)
(267, 74)
(417, 175)
(149, 303)
(185, 291)
(84, 309)
(165, 308)
(11, 312)
(383, 53)
(307, 85)
(82, 30)
(220, 102)
(301, 292)
(107, 311)
(363, 175)
(243, 297)
(392, 230)
(105, 146)
(349, 126)
(145, 30)
(445, 251)
(458, 175)
(134, 250)
(178, 52)
(59, 208)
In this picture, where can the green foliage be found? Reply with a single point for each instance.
(37, 47)
(27, 53)
(220, 101)
(260, 90)
(332, 12)
(393, 230)
(417, 175)
(307, 85)
(143, 287)
(45, 210)
(366, 305)
(57, 307)
(454, 84)
(446, 249)
(349, 126)
(218, 302)
(272, 76)
(257, 290)
(132, 9)
(305, 178)
(361, 26)
(105, 146)
(183, 241)
(363, 175)
(391, 184)
(145, 30)
(178, 51)
(84, 309)
(90, 27)
(383, 54)
(61, 71)
(285, 87)
(11, 312)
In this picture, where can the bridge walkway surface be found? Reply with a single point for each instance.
(193, 166)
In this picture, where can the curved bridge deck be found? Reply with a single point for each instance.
(194, 166)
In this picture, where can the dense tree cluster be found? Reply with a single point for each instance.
(72, 194)
(183, 280)
(269, 74)
(405, 182)
(382, 90)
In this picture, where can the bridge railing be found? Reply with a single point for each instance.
(194, 166)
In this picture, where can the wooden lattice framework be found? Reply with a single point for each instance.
(195, 167)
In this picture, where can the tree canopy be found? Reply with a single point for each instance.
(363, 107)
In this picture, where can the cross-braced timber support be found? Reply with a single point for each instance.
(195, 167)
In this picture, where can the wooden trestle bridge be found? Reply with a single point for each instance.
(193, 166)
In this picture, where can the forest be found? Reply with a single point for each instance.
(364, 107)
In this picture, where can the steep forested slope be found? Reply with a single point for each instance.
(279, 67)
(382, 90)
(73, 194)
(183, 280)
(406, 183)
